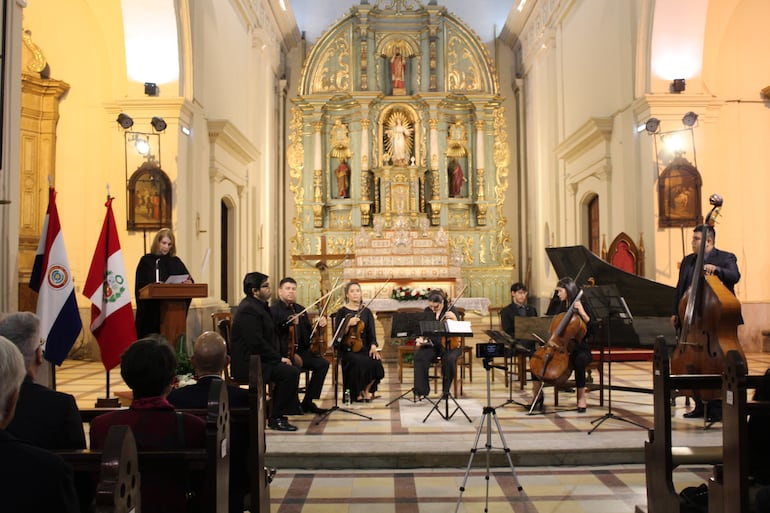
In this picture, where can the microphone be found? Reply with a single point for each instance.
(157, 270)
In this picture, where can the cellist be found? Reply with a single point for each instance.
(579, 352)
(716, 262)
(291, 320)
(362, 368)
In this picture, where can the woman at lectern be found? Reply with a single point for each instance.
(155, 267)
(430, 348)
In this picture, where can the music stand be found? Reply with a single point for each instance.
(406, 325)
(336, 341)
(502, 337)
(430, 329)
(605, 301)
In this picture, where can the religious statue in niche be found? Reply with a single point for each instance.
(398, 135)
(456, 178)
(343, 179)
(397, 72)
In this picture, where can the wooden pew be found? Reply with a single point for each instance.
(659, 455)
(260, 476)
(729, 485)
(213, 461)
(118, 489)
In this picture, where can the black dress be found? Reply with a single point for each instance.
(358, 368)
(148, 310)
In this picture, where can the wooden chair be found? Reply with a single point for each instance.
(624, 254)
(223, 323)
(466, 356)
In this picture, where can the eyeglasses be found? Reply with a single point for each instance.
(265, 286)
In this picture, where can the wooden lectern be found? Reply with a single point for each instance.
(173, 299)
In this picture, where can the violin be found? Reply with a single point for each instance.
(452, 343)
(292, 340)
(352, 334)
(710, 315)
(551, 362)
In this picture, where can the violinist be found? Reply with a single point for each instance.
(723, 265)
(293, 330)
(579, 354)
(428, 349)
(362, 368)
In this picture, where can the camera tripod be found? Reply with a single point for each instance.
(489, 415)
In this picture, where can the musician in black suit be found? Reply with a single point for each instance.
(723, 265)
(517, 308)
(44, 417)
(209, 360)
(254, 333)
(31, 478)
(288, 314)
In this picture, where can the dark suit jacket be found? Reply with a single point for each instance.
(253, 333)
(33, 480)
(47, 418)
(727, 271)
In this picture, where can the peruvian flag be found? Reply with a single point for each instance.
(51, 278)
(112, 319)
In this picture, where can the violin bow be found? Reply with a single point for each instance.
(328, 297)
(452, 303)
(375, 295)
(328, 294)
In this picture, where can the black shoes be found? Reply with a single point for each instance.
(280, 424)
(539, 405)
(312, 408)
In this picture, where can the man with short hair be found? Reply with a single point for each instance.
(44, 417)
(254, 333)
(291, 317)
(723, 265)
(209, 360)
(31, 478)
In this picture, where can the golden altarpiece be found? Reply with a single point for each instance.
(398, 156)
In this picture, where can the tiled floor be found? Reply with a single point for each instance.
(398, 463)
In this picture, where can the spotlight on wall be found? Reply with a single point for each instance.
(689, 119)
(158, 124)
(677, 86)
(151, 89)
(652, 125)
(125, 121)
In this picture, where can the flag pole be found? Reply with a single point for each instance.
(107, 401)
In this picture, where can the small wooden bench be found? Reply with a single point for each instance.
(118, 489)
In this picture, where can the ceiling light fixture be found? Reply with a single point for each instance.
(652, 125)
(125, 121)
(689, 119)
(158, 124)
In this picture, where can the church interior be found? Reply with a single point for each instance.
(404, 144)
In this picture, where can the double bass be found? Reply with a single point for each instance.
(709, 314)
(551, 362)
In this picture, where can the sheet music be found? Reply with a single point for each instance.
(458, 326)
(178, 278)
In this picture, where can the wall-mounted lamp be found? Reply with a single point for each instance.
(677, 86)
(151, 89)
(158, 124)
(142, 145)
(125, 121)
(652, 125)
(689, 119)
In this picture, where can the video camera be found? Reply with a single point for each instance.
(489, 350)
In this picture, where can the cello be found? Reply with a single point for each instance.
(709, 315)
(551, 362)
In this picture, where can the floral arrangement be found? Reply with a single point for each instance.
(409, 294)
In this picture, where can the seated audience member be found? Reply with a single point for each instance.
(44, 417)
(209, 360)
(32, 480)
(148, 368)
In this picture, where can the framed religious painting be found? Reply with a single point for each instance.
(149, 198)
(679, 193)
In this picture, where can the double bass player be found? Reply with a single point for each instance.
(716, 262)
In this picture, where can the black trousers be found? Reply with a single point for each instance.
(286, 379)
(422, 361)
(318, 367)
